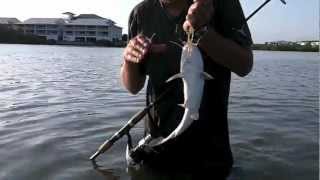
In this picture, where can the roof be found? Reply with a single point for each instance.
(81, 20)
(43, 21)
(89, 16)
(69, 13)
(6, 20)
(90, 22)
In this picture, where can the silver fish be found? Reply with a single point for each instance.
(191, 72)
(193, 77)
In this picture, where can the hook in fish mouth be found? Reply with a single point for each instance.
(190, 37)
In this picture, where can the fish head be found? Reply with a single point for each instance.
(191, 58)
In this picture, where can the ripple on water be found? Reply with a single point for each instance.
(58, 104)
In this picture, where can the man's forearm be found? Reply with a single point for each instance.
(131, 77)
(227, 53)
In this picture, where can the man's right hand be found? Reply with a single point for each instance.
(137, 49)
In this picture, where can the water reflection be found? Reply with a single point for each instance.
(107, 173)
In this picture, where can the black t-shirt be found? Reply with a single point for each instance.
(207, 140)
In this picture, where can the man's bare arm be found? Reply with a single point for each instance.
(131, 77)
(222, 50)
(227, 53)
(135, 52)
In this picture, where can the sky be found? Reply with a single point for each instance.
(296, 21)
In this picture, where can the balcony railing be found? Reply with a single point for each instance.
(91, 27)
(52, 32)
(69, 33)
(80, 33)
(40, 27)
(102, 28)
(41, 32)
(52, 26)
(104, 34)
(91, 33)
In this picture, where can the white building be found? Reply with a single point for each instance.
(312, 43)
(278, 43)
(83, 28)
(49, 28)
(315, 43)
(9, 22)
(90, 28)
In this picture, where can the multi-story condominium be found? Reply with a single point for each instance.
(49, 28)
(90, 28)
(84, 28)
(9, 22)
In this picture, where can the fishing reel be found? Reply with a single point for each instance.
(146, 150)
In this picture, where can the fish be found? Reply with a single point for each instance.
(193, 77)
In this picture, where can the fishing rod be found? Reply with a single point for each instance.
(242, 28)
(128, 126)
(260, 7)
(139, 115)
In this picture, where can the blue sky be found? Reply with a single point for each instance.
(298, 20)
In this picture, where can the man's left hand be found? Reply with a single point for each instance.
(199, 14)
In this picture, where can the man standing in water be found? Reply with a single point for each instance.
(205, 145)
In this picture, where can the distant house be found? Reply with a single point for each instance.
(315, 43)
(90, 28)
(9, 22)
(312, 43)
(278, 43)
(49, 28)
(84, 28)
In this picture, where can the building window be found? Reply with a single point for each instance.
(80, 33)
(79, 27)
(103, 28)
(91, 27)
(91, 39)
(52, 32)
(52, 26)
(91, 33)
(80, 39)
(69, 26)
(41, 32)
(69, 32)
(104, 33)
(40, 26)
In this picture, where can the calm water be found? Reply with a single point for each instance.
(58, 104)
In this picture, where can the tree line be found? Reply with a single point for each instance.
(286, 47)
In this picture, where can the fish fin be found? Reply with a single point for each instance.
(177, 44)
(182, 105)
(206, 76)
(176, 76)
(195, 116)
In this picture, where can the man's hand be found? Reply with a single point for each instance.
(137, 49)
(199, 14)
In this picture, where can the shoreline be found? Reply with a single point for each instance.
(61, 44)
(286, 47)
(122, 46)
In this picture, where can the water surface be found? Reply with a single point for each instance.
(59, 103)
